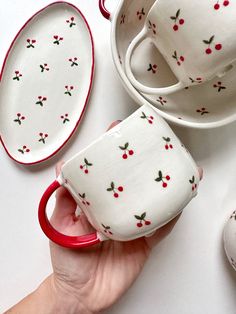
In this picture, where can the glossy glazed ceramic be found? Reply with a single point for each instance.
(208, 105)
(45, 83)
(192, 38)
(131, 181)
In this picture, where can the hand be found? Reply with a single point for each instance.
(95, 277)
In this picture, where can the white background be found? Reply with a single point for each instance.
(188, 272)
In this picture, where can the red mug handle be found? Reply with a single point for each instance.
(53, 234)
(103, 9)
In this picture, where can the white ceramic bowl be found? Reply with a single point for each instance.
(207, 105)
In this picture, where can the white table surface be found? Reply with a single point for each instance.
(188, 272)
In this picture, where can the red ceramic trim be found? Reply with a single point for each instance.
(103, 9)
(53, 234)
(90, 85)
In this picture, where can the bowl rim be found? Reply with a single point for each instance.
(138, 98)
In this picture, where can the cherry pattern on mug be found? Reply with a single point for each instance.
(150, 119)
(178, 21)
(126, 151)
(86, 166)
(107, 229)
(115, 189)
(193, 183)
(82, 197)
(210, 42)
(168, 144)
(179, 59)
(142, 221)
(163, 178)
(218, 4)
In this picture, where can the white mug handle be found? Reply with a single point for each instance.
(139, 86)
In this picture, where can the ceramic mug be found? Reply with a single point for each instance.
(132, 180)
(196, 39)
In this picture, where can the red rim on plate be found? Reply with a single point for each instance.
(8, 54)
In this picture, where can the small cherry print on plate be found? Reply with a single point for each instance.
(115, 189)
(30, 43)
(57, 39)
(41, 100)
(44, 67)
(163, 178)
(142, 221)
(42, 137)
(86, 165)
(19, 118)
(71, 22)
(17, 76)
(65, 45)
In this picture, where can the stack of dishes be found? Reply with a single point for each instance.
(207, 105)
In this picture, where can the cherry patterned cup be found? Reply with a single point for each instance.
(196, 38)
(129, 182)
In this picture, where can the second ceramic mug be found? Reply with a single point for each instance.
(196, 38)
(132, 180)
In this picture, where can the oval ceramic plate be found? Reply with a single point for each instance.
(45, 83)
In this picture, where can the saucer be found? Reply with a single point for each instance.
(46, 80)
(207, 105)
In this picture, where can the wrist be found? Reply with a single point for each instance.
(60, 299)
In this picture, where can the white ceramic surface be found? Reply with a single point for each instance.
(208, 105)
(45, 83)
(133, 179)
(195, 38)
(230, 239)
(187, 272)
